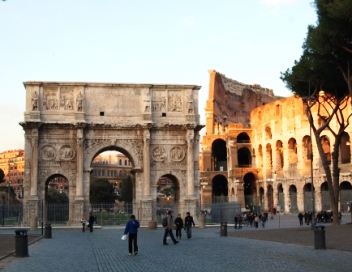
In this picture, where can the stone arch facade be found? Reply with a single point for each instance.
(155, 126)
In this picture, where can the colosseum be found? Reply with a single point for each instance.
(256, 151)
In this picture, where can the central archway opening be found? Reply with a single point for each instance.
(112, 186)
(168, 196)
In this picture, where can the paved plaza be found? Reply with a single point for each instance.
(103, 250)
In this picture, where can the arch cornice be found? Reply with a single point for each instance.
(134, 148)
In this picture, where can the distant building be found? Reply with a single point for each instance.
(12, 163)
(111, 166)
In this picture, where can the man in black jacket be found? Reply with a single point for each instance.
(91, 222)
(188, 224)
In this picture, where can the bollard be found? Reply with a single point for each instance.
(21, 245)
(319, 237)
(152, 224)
(223, 229)
(47, 232)
(33, 222)
(201, 222)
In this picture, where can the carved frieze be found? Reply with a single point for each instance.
(159, 153)
(90, 145)
(175, 101)
(159, 102)
(135, 146)
(66, 98)
(66, 153)
(177, 153)
(48, 153)
(50, 99)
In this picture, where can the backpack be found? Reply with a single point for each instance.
(164, 222)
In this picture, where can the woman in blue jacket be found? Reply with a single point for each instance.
(132, 229)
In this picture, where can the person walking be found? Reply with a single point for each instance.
(235, 221)
(168, 229)
(256, 221)
(300, 218)
(83, 221)
(188, 224)
(263, 218)
(132, 229)
(90, 222)
(179, 226)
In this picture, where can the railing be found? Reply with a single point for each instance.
(111, 215)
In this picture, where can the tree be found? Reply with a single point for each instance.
(101, 191)
(54, 196)
(2, 176)
(126, 190)
(326, 65)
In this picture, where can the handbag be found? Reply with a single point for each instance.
(124, 237)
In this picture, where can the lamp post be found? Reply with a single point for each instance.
(3, 210)
(271, 198)
(308, 100)
(8, 198)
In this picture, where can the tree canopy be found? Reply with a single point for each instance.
(323, 78)
(326, 62)
(126, 190)
(102, 191)
(54, 196)
(2, 176)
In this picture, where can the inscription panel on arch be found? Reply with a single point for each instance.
(115, 101)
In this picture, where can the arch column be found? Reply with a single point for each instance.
(34, 165)
(86, 187)
(190, 163)
(31, 209)
(146, 163)
(79, 172)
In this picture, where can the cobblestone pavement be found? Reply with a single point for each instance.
(103, 250)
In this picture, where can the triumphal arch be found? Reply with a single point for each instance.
(67, 124)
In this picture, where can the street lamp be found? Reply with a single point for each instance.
(307, 100)
(8, 198)
(3, 210)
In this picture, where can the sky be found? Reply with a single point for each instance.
(144, 41)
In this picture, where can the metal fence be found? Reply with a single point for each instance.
(110, 214)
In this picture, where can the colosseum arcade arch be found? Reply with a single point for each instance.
(219, 155)
(250, 191)
(220, 189)
(67, 124)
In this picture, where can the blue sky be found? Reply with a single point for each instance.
(144, 41)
